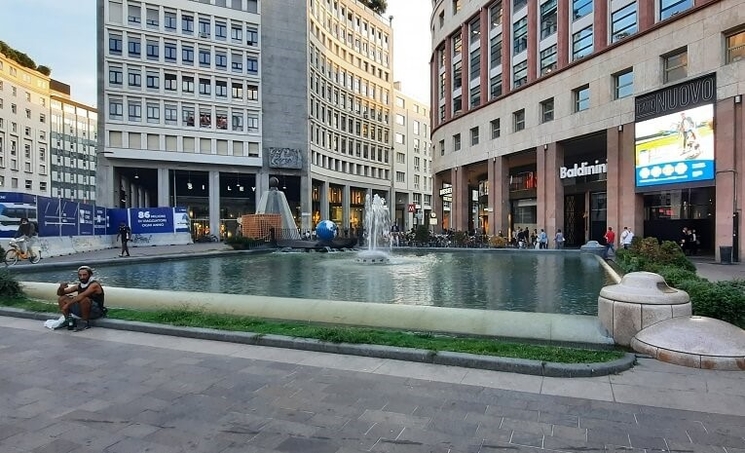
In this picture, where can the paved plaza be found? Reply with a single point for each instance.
(104, 390)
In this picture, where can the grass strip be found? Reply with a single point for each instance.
(189, 317)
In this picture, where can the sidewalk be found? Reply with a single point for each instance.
(133, 392)
(708, 268)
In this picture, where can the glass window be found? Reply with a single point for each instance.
(495, 128)
(520, 35)
(581, 8)
(736, 46)
(474, 136)
(187, 24)
(623, 22)
(236, 33)
(152, 48)
(221, 89)
(169, 52)
(548, 59)
(252, 65)
(116, 76)
(456, 6)
(475, 66)
(252, 36)
(475, 27)
(519, 4)
(547, 110)
(581, 98)
(457, 44)
(134, 79)
(495, 87)
(187, 84)
(670, 8)
(134, 47)
(169, 21)
(456, 142)
(457, 75)
(495, 14)
(153, 112)
(187, 54)
(253, 92)
(135, 111)
(116, 109)
(204, 57)
(623, 84)
(221, 30)
(582, 43)
(675, 65)
(495, 51)
(170, 83)
(221, 60)
(205, 86)
(475, 96)
(204, 28)
(518, 120)
(115, 45)
(152, 80)
(520, 74)
(548, 19)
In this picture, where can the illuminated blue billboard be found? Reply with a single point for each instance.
(674, 148)
(674, 131)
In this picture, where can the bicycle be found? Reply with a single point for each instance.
(15, 253)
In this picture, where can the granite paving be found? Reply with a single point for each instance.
(105, 391)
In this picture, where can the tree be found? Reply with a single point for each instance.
(378, 6)
(46, 70)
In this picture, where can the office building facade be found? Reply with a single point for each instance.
(587, 114)
(203, 102)
(412, 177)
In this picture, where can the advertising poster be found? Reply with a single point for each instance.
(13, 207)
(50, 220)
(86, 219)
(181, 220)
(115, 217)
(69, 218)
(151, 220)
(678, 147)
(99, 221)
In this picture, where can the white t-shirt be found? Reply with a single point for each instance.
(626, 237)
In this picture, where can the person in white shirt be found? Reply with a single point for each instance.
(626, 236)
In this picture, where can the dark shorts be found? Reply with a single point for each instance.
(94, 314)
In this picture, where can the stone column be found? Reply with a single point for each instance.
(615, 187)
(533, 37)
(562, 33)
(306, 202)
(498, 174)
(325, 200)
(459, 209)
(506, 46)
(629, 205)
(549, 159)
(214, 200)
(346, 201)
(437, 201)
(646, 14)
(600, 25)
(484, 55)
(165, 188)
(726, 175)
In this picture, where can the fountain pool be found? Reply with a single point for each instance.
(524, 281)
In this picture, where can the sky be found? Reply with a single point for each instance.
(61, 34)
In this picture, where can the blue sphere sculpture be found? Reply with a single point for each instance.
(326, 230)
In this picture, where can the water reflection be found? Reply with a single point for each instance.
(517, 281)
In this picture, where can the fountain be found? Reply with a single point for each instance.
(377, 225)
(273, 208)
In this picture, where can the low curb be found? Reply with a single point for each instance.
(493, 363)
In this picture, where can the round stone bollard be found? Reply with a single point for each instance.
(593, 247)
(638, 301)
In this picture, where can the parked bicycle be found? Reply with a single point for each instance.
(15, 253)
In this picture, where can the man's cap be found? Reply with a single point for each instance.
(86, 268)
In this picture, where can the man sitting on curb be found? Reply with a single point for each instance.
(86, 304)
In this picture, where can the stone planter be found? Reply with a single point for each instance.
(640, 300)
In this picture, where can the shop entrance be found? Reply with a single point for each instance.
(598, 216)
(574, 220)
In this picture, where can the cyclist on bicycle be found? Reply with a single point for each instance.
(26, 231)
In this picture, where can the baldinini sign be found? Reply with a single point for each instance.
(583, 169)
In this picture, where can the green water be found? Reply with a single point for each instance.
(545, 282)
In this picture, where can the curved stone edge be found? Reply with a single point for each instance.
(708, 362)
(493, 363)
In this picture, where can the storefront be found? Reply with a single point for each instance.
(523, 186)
